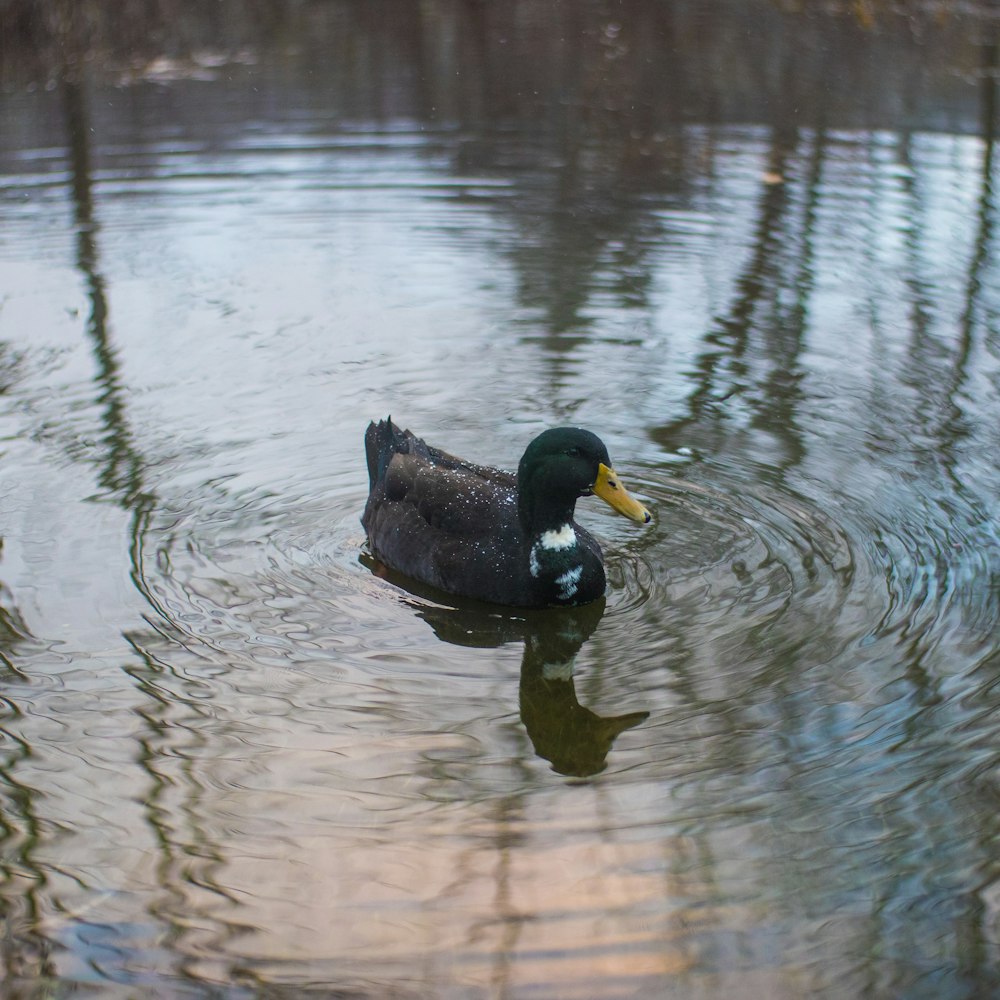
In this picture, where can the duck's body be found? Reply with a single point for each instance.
(486, 533)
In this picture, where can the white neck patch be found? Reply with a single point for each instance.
(561, 538)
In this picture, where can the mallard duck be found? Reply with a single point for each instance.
(486, 533)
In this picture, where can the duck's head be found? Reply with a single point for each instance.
(560, 466)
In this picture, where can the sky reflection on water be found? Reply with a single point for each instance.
(755, 250)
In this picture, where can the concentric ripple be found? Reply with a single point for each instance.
(719, 549)
(737, 577)
(744, 569)
(268, 581)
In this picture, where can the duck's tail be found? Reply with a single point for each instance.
(383, 440)
(381, 443)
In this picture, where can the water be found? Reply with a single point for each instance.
(756, 252)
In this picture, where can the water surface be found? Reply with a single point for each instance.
(755, 250)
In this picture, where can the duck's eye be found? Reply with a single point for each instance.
(574, 452)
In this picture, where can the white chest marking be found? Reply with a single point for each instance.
(568, 581)
(561, 671)
(563, 538)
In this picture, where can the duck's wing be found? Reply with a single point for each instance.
(452, 528)
(384, 441)
(501, 477)
(455, 498)
(444, 521)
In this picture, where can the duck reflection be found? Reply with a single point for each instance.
(572, 738)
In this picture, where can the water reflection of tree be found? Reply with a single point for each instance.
(121, 474)
(973, 313)
(13, 629)
(942, 418)
(938, 360)
(767, 317)
(25, 955)
(604, 143)
(594, 95)
(921, 827)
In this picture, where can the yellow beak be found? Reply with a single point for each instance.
(609, 488)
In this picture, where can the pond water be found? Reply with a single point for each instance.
(755, 249)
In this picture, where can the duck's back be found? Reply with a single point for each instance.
(443, 521)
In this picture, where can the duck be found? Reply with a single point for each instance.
(488, 534)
